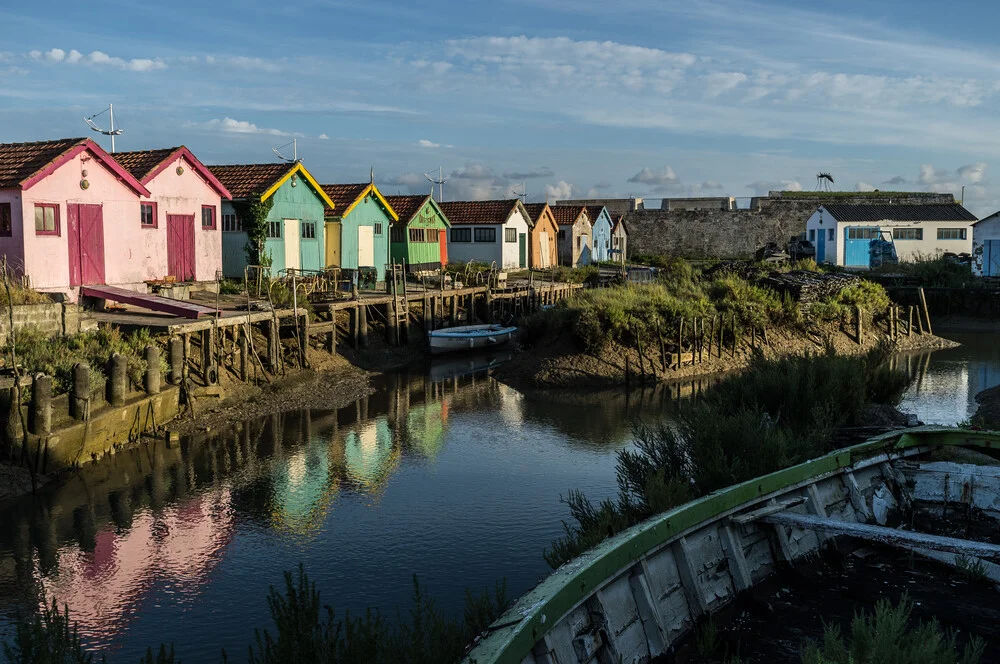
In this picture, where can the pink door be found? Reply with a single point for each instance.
(85, 238)
(180, 246)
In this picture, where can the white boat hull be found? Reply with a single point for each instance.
(469, 337)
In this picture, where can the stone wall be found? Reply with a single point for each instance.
(739, 233)
(53, 319)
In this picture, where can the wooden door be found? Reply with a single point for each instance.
(366, 246)
(180, 246)
(543, 249)
(443, 241)
(292, 257)
(522, 249)
(85, 236)
(333, 244)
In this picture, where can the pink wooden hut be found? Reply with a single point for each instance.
(69, 216)
(180, 220)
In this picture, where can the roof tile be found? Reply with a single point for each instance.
(479, 212)
(19, 161)
(906, 212)
(243, 180)
(407, 206)
(141, 162)
(566, 215)
(344, 195)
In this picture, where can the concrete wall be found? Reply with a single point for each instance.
(616, 206)
(182, 194)
(481, 252)
(53, 319)
(704, 203)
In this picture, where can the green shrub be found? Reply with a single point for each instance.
(47, 638)
(885, 638)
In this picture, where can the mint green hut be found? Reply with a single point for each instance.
(360, 216)
(295, 233)
(419, 239)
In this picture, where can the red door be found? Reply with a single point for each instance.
(85, 238)
(180, 246)
(443, 241)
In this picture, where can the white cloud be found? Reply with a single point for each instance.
(424, 143)
(244, 62)
(229, 125)
(711, 185)
(761, 187)
(973, 172)
(323, 137)
(649, 176)
(98, 59)
(864, 186)
(559, 191)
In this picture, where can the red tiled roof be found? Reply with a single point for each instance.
(343, 195)
(407, 206)
(243, 180)
(566, 215)
(478, 212)
(140, 162)
(19, 161)
(594, 211)
(535, 210)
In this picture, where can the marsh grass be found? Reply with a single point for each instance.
(885, 637)
(776, 413)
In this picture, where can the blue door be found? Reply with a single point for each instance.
(991, 258)
(856, 245)
(821, 246)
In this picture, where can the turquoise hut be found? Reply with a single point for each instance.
(295, 235)
(362, 217)
(601, 225)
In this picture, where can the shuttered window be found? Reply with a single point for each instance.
(510, 234)
(461, 235)
(397, 234)
(231, 223)
(486, 235)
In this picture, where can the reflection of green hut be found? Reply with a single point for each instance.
(303, 489)
(426, 426)
(369, 453)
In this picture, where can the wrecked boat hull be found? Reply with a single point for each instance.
(635, 596)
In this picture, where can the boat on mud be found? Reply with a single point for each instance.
(469, 337)
(639, 594)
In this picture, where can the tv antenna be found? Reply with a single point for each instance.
(111, 131)
(439, 182)
(295, 152)
(523, 194)
(824, 182)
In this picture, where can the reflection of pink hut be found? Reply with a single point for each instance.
(182, 233)
(181, 544)
(69, 216)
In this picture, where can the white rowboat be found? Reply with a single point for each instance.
(469, 337)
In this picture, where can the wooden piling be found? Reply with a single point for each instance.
(304, 342)
(79, 397)
(331, 336)
(362, 326)
(41, 405)
(392, 322)
(927, 313)
(151, 380)
(680, 341)
(909, 323)
(117, 380)
(176, 353)
(244, 355)
(454, 310)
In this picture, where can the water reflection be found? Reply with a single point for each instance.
(947, 381)
(444, 471)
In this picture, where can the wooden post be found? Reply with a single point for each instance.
(392, 323)
(428, 316)
(701, 339)
(117, 380)
(920, 323)
(152, 378)
(909, 323)
(206, 351)
(454, 310)
(680, 341)
(331, 336)
(244, 355)
(304, 341)
(176, 351)
(41, 405)
(927, 313)
(663, 346)
(489, 305)
(187, 351)
(859, 325)
(79, 398)
(736, 336)
(362, 326)
(694, 341)
(722, 330)
(711, 336)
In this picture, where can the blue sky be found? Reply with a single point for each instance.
(573, 97)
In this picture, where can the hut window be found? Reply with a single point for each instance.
(5, 222)
(417, 235)
(208, 217)
(274, 230)
(486, 235)
(397, 234)
(46, 219)
(378, 229)
(510, 235)
(147, 213)
(907, 234)
(308, 230)
(231, 223)
(829, 234)
(945, 233)
(461, 235)
(431, 235)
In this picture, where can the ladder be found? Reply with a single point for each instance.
(395, 277)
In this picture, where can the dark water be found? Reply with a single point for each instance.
(456, 478)
(444, 472)
(947, 381)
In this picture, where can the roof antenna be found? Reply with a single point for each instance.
(824, 182)
(112, 132)
(295, 152)
(523, 194)
(439, 182)
(372, 180)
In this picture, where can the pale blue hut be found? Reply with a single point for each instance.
(601, 225)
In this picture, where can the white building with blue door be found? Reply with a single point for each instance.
(490, 232)
(842, 233)
(986, 246)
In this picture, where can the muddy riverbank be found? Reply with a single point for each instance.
(558, 362)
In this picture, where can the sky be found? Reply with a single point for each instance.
(553, 98)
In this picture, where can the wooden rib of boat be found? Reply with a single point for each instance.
(634, 596)
(469, 337)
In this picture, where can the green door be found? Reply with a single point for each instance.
(522, 241)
